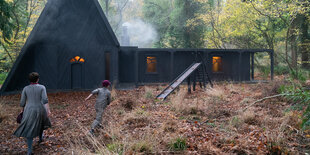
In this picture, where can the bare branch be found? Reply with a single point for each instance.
(265, 98)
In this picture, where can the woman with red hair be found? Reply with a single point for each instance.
(102, 101)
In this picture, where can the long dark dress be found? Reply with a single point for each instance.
(35, 118)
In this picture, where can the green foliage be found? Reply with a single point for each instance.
(265, 70)
(142, 146)
(148, 94)
(116, 148)
(5, 62)
(6, 25)
(281, 70)
(300, 75)
(301, 98)
(179, 144)
(3, 77)
(17, 18)
(235, 121)
(172, 20)
(306, 118)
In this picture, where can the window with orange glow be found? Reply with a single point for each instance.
(77, 59)
(151, 64)
(217, 65)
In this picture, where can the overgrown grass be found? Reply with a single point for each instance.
(111, 141)
(149, 93)
(108, 142)
(178, 101)
(300, 99)
(300, 75)
(247, 117)
(178, 144)
(3, 113)
(113, 93)
(281, 70)
(3, 77)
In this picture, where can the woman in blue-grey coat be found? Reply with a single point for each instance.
(36, 111)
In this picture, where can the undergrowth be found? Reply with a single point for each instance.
(300, 98)
(179, 144)
(3, 114)
(3, 77)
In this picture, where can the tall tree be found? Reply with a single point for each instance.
(6, 25)
(114, 10)
(305, 35)
(172, 20)
(6, 31)
(257, 24)
(23, 16)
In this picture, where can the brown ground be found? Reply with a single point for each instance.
(212, 121)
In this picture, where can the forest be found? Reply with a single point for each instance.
(231, 118)
(281, 25)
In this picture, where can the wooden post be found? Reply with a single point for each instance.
(202, 67)
(200, 85)
(194, 80)
(189, 84)
(205, 69)
(136, 68)
(171, 65)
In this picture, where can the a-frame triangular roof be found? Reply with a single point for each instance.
(71, 24)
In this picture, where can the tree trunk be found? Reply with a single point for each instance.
(294, 52)
(107, 7)
(304, 42)
(187, 30)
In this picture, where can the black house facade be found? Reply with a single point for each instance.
(72, 46)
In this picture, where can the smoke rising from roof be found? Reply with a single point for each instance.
(140, 33)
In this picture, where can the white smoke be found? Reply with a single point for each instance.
(140, 33)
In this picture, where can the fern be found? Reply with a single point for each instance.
(302, 99)
(306, 117)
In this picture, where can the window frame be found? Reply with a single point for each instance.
(156, 65)
(77, 61)
(222, 68)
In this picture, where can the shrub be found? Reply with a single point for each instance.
(301, 98)
(148, 93)
(170, 126)
(281, 70)
(142, 146)
(250, 118)
(179, 144)
(235, 121)
(177, 101)
(3, 77)
(116, 148)
(265, 70)
(301, 75)
(306, 118)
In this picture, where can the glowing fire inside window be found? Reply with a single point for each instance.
(151, 64)
(77, 59)
(217, 64)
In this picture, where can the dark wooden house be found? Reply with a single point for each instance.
(72, 46)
